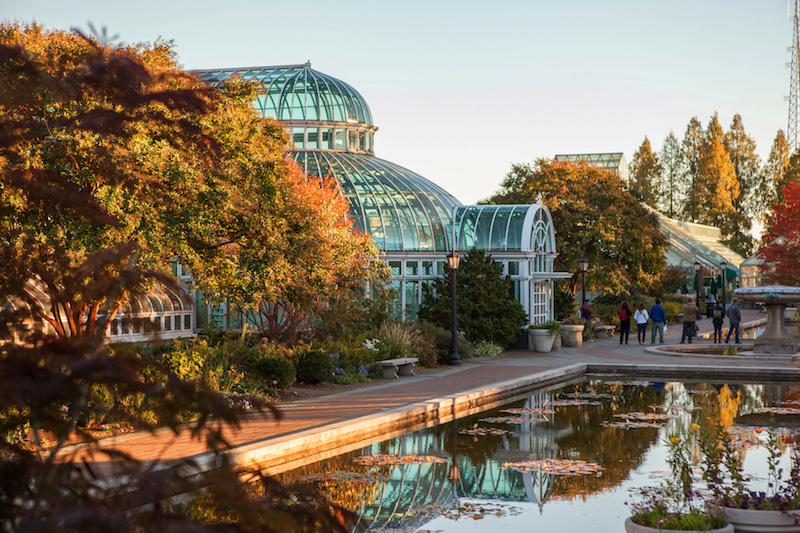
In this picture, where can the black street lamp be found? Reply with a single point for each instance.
(584, 266)
(724, 266)
(697, 267)
(452, 260)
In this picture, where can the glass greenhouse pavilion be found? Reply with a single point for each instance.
(413, 221)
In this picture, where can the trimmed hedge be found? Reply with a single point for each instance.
(275, 370)
(314, 366)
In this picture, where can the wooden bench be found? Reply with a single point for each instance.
(608, 331)
(403, 366)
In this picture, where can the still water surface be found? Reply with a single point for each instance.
(462, 485)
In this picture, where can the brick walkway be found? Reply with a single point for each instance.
(383, 395)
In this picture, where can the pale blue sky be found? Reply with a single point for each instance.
(461, 89)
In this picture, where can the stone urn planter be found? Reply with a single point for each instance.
(540, 340)
(557, 342)
(633, 527)
(756, 520)
(572, 335)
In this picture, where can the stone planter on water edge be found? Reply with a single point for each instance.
(633, 527)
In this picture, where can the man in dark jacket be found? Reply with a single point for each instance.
(659, 318)
(734, 317)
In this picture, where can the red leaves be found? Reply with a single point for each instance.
(781, 253)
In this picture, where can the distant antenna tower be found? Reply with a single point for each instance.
(794, 77)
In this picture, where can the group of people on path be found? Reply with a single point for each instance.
(658, 316)
(718, 314)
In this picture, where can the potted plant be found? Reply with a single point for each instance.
(777, 509)
(675, 505)
(572, 332)
(541, 336)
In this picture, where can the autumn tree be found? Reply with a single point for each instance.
(594, 217)
(109, 163)
(746, 163)
(672, 171)
(645, 172)
(208, 184)
(715, 189)
(781, 249)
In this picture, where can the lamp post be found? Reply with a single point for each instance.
(697, 267)
(452, 260)
(584, 266)
(724, 266)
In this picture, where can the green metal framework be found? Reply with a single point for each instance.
(409, 217)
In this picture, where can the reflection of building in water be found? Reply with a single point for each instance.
(413, 494)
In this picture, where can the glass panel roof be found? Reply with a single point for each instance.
(297, 92)
(400, 209)
(610, 160)
(502, 227)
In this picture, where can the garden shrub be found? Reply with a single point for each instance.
(442, 339)
(187, 359)
(275, 370)
(314, 366)
(487, 349)
(405, 339)
(397, 340)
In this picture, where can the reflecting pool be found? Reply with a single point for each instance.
(582, 447)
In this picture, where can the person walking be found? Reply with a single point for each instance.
(659, 318)
(689, 319)
(641, 317)
(717, 317)
(624, 322)
(586, 312)
(734, 317)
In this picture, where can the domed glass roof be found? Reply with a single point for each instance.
(331, 127)
(399, 208)
(297, 92)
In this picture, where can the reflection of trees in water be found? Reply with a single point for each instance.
(411, 494)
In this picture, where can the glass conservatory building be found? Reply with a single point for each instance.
(411, 219)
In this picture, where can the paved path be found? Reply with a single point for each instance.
(380, 396)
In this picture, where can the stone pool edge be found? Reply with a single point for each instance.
(285, 452)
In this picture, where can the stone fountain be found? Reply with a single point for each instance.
(776, 338)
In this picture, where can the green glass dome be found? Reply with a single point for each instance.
(331, 126)
(297, 92)
(399, 208)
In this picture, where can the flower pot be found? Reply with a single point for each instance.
(633, 527)
(540, 340)
(572, 335)
(756, 520)
(557, 342)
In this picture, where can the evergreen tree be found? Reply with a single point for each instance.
(672, 187)
(771, 176)
(487, 310)
(692, 151)
(645, 171)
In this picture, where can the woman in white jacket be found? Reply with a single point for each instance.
(641, 317)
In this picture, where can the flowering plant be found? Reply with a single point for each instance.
(572, 321)
(723, 472)
(675, 504)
